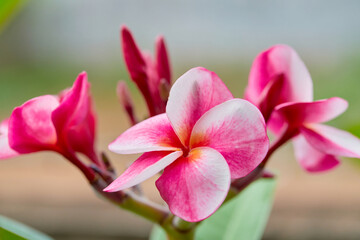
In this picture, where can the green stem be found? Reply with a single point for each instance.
(174, 233)
(183, 225)
(175, 228)
(131, 202)
(143, 207)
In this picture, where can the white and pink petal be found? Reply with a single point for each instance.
(193, 94)
(146, 166)
(5, 150)
(237, 130)
(152, 134)
(195, 186)
(311, 159)
(331, 140)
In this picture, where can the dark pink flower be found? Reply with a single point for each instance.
(148, 74)
(64, 124)
(205, 138)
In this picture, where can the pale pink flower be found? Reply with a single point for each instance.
(205, 138)
(149, 74)
(64, 124)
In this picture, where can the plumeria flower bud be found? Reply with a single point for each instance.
(147, 72)
(64, 124)
(278, 75)
(125, 100)
(205, 139)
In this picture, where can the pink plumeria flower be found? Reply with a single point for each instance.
(64, 124)
(148, 74)
(205, 138)
(316, 145)
(280, 81)
(278, 75)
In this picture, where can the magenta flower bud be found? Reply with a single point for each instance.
(64, 124)
(147, 72)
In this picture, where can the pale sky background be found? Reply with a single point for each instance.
(88, 30)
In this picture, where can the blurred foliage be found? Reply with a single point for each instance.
(8, 8)
(13, 230)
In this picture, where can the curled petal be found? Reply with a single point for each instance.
(311, 159)
(270, 96)
(153, 134)
(74, 119)
(194, 93)
(280, 60)
(276, 123)
(331, 140)
(196, 185)
(5, 150)
(30, 125)
(237, 130)
(312, 112)
(143, 168)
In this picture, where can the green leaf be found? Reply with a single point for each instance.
(8, 8)
(244, 217)
(13, 230)
(157, 233)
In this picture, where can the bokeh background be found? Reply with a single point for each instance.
(48, 43)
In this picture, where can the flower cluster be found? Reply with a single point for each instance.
(205, 138)
(198, 136)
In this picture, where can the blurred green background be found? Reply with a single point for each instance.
(47, 43)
